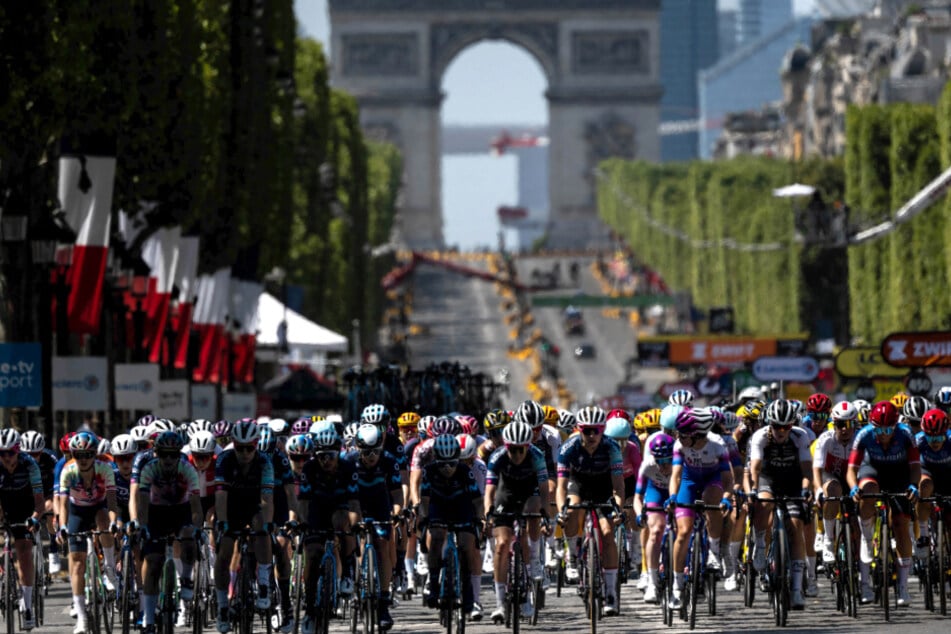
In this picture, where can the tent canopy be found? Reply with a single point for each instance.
(302, 333)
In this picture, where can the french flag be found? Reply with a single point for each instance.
(211, 310)
(244, 308)
(85, 195)
(186, 279)
(161, 253)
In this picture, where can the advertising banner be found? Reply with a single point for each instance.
(237, 406)
(801, 369)
(21, 375)
(863, 363)
(173, 399)
(917, 349)
(137, 386)
(79, 384)
(204, 402)
(715, 350)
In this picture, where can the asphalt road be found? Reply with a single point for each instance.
(566, 614)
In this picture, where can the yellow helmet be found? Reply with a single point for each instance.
(899, 400)
(753, 410)
(651, 420)
(496, 419)
(408, 419)
(639, 424)
(551, 415)
(316, 418)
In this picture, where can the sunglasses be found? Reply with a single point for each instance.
(936, 439)
(448, 464)
(83, 455)
(202, 456)
(843, 424)
(692, 437)
(883, 431)
(326, 455)
(782, 427)
(124, 458)
(245, 448)
(663, 461)
(517, 448)
(6, 453)
(169, 455)
(820, 416)
(301, 458)
(591, 431)
(370, 452)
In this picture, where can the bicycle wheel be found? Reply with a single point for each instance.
(126, 592)
(560, 573)
(926, 578)
(622, 564)
(515, 572)
(94, 590)
(297, 587)
(9, 595)
(39, 582)
(447, 589)
(666, 577)
(594, 574)
(941, 547)
(371, 593)
(884, 547)
(749, 572)
(696, 576)
(783, 572)
(245, 590)
(326, 596)
(198, 602)
(167, 604)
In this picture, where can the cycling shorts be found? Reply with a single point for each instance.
(655, 498)
(789, 487)
(81, 519)
(890, 480)
(452, 513)
(598, 489)
(940, 475)
(630, 484)
(164, 521)
(690, 491)
(16, 510)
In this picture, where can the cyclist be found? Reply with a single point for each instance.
(516, 482)
(650, 495)
(201, 454)
(494, 422)
(912, 411)
(781, 465)
(381, 497)
(329, 500)
(408, 425)
(447, 486)
(169, 504)
(829, 464)
(468, 448)
(244, 478)
(816, 419)
(21, 501)
(619, 429)
(142, 458)
(88, 489)
(942, 399)
(548, 441)
(701, 470)
(34, 444)
(725, 423)
(591, 469)
(884, 457)
(222, 432)
(934, 447)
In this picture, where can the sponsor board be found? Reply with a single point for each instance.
(204, 401)
(21, 375)
(719, 350)
(917, 349)
(79, 384)
(237, 405)
(173, 399)
(864, 362)
(137, 387)
(801, 369)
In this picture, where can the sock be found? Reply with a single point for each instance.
(680, 579)
(572, 548)
(734, 553)
(904, 567)
(715, 547)
(865, 569)
(610, 580)
(222, 598)
(109, 557)
(177, 562)
(653, 575)
(761, 538)
(500, 593)
(409, 565)
(868, 527)
(186, 571)
(27, 596)
(284, 589)
(476, 582)
(924, 528)
(264, 574)
(149, 603)
(829, 536)
(810, 567)
(796, 581)
(79, 602)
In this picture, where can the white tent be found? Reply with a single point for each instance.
(304, 337)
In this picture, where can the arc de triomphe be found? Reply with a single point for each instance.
(600, 58)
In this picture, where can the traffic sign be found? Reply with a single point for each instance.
(801, 369)
(918, 383)
(708, 386)
(864, 362)
(866, 391)
(917, 349)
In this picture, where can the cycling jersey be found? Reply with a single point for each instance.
(123, 485)
(206, 477)
(375, 484)
(480, 471)
(549, 442)
(46, 461)
(574, 461)
(422, 455)
(168, 488)
(248, 484)
(936, 463)
(22, 483)
(651, 483)
(736, 458)
(705, 464)
(57, 472)
(530, 473)
(410, 446)
(781, 460)
(71, 484)
(393, 446)
(486, 449)
(141, 459)
(327, 491)
(631, 457)
(889, 466)
(831, 456)
(450, 498)
(283, 475)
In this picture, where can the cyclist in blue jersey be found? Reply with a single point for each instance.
(701, 471)
(245, 498)
(650, 495)
(408, 424)
(21, 500)
(884, 457)
(934, 448)
(34, 444)
(591, 469)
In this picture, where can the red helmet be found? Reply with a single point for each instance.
(883, 414)
(819, 402)
(619, 413)
(934, 423)
(64, 441)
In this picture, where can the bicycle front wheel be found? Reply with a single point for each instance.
(94, 590)
(941, 547)
(371, 592)
(594, 575)
(696, 577)
(884, 548)
(517, 573)
(9, 594)
(167, 606)
(781, 580)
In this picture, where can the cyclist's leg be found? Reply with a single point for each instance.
(473, 562)
(868, 484)
(503, 542)
(23, 548)
(263, 555)
(688, 492)
(926, 489)
(435, 541)
(797, 551)
(609, 558)
(713, 495)
(224, 550)
(387, 554)
(831, 487)
(342, 521)
(654, 500)
(901, 529)
(573, 525)
(108, 544)
(80, 519)
(153, 552)
(529, 545)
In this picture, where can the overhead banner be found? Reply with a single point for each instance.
(917, 349)
(79, 384)
(235, 406)
(863, 363)
(204, 400)
(714, 350)
(21, 375)
(173, 399)
(137, 386)
(800, 369)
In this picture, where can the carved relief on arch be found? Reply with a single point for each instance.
(608, 136)
(538, 38)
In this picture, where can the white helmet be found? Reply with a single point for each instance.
(202, 442)
(200, 425)
(245, 432)
(9, 438)
(333, 418)
(279, 426)
(467, 446)
(320, 426)
(104, 447)
(123, 445)
(843, 410)
(517, 433)
(139, 433)
(32, 441)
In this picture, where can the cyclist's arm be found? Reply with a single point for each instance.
(726, 476)
(561, 492)
(806, 468)
(488, 498)
(415, 476)
(617, 484)
(424, 508)
(142, 509)
(303, 509)
(221, 505)
(197, 515)
(396, 497)
(676, 473)
(111, 505)
(133, 498)
(756, 468)
(292, 502)
(267, 505)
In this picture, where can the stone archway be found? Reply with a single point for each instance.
(600, 58)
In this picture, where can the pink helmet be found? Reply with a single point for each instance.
(469, 424)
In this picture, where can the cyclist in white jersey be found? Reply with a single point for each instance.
(830, 461)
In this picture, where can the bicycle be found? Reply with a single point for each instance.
(100, 603)
(297, 576)
(745, 570)
(698, 574)
(367, 589)
(518, 590)
(128, 603)
(10, 596)
(327, 590)
(884, 559)
(168, 594)
(666, 568)
(204, 604)
(843, 572)
(591, 580)
(245, 587)
(938, 565)
(451, 581)
(778, 575)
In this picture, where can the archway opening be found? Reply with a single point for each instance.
(494, 148)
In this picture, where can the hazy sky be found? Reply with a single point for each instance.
(476, 93)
